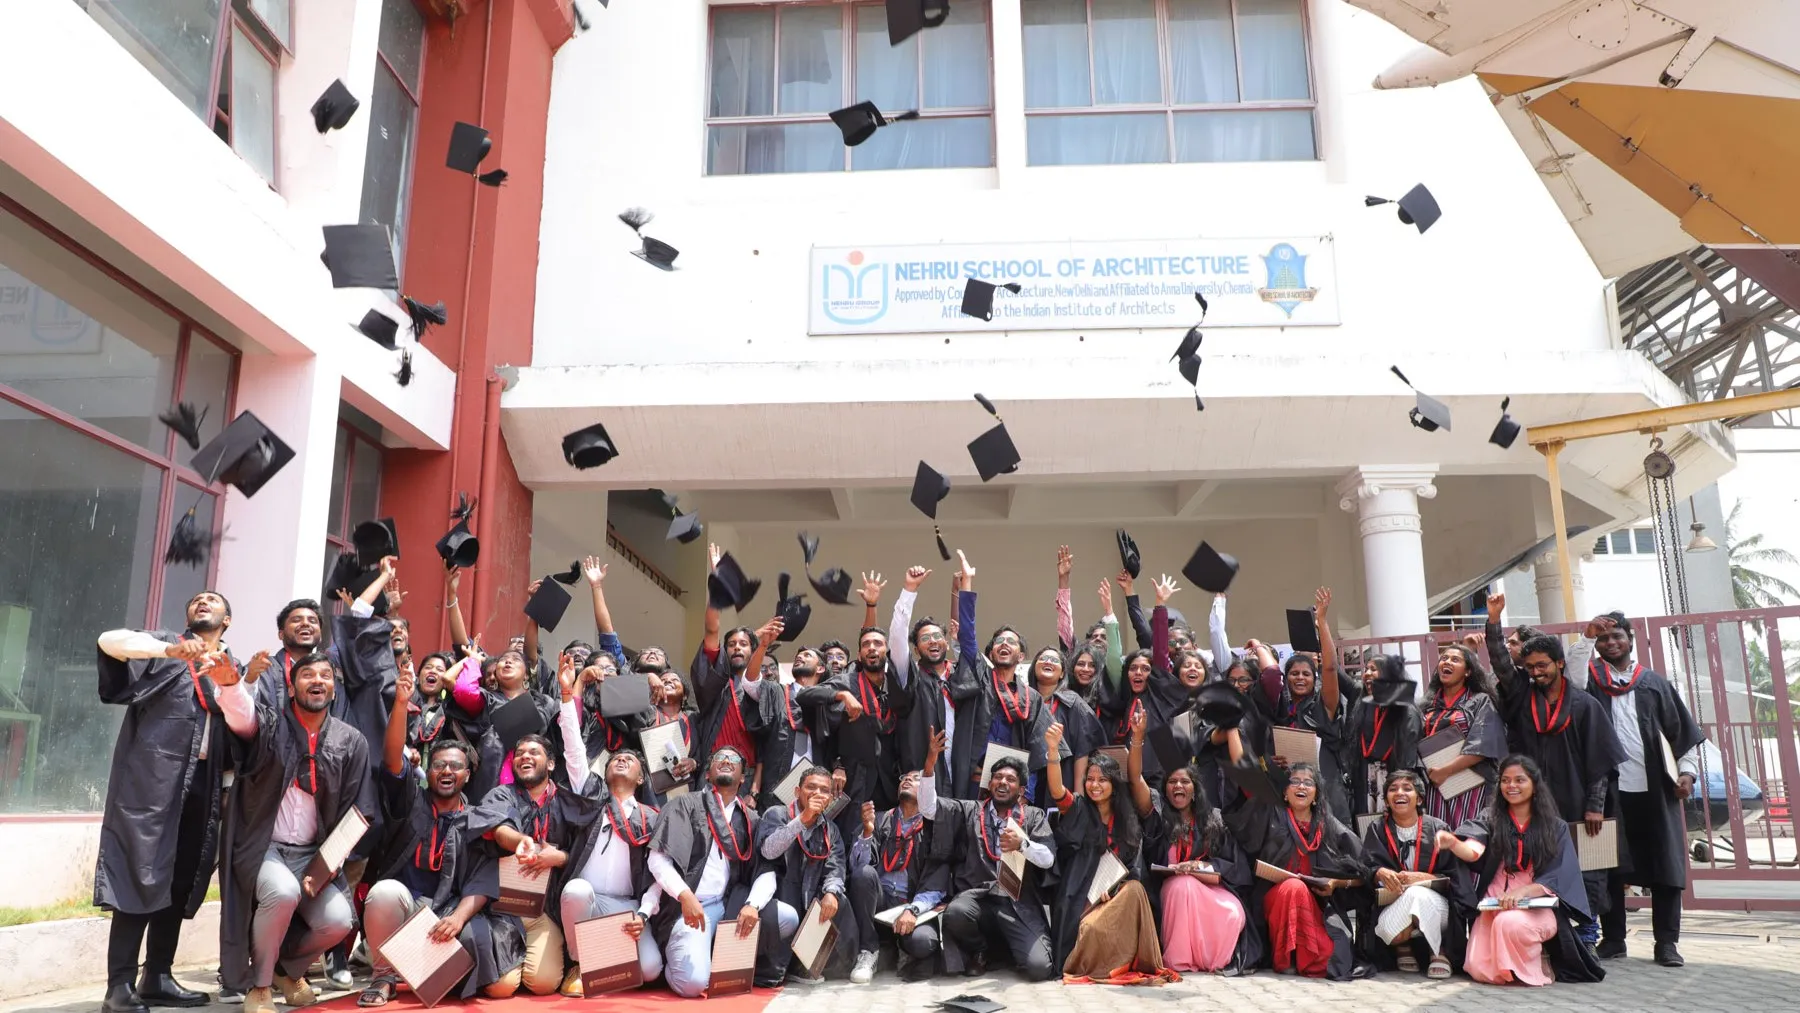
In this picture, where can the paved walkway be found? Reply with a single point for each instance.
(1735, 964)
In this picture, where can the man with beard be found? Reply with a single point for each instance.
(301, 632)
(993, 704)
(893, 865)
(871, 707)
(540, 825)
(300, 775)
(1647, 719)
(789, 732)
(806, 853)
(703, 855)
(427, 856)
(716, 676)
(970, 837)
(186, 713)
(923, 672)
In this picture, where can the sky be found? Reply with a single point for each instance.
(1768, 484)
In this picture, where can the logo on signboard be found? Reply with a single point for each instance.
(854, 292)
(1287, 278)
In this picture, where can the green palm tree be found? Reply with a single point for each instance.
(1753, 587)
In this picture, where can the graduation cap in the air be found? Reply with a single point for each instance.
(1220, 704)
(833, 586)
(1303, 634)
(460, 547)
(547, 605)
(860, 121)
(353, 580)
(655, 252)
(423, 315)
(1187, 356)
(469, 144)
(1506, 430)
(1386, 692)
(374, 540)
(186, 422)
(517, 718)
(568, 577)
(1418, 207)
(1210, 569)
(728, 586)
(403, 375)
(246, 455)
(188, 543)
(905, 19)
(589, 447)
(929, 489)
(1128, 555)
(334, 108)
(1427, 412)
(360, 256)
(993, 451)
(381, 329)
(683, 528)
(978, 298)
(791, 610)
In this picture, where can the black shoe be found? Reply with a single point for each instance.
(1668, 956)
(122, 999)
(337, 970)
(164, 990)
(975, 966)
(1610, 949)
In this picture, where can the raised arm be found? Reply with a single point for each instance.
(1065, 613)
(900, 627)
(1134, 610)
(459, 632)
(532, 653)
(393, 746)
(1499, 658)
(1115, 649)
(871, 596)
(1159, 624)
(1053, 782)
(1134, 765)
(1328, 668)
(1221, 643)
(574, 758)
(765, 637)
(965, 612)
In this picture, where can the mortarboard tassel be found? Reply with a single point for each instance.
(1396, 371)
(493, 178)
(1200, 298)
(424, 315)
(185, 422)
(465, 507)
(637, 218)
(1199, 405)
(982, 398)
(570, 577)
(187, 543)
(943, 550)
(809, 547)
(581, 20)
(404, 375)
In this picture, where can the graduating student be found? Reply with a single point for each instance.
(298, 778)
(703, 854)
(482, 686)
(1082, 731)
(1235, 702)
(427, 713)
(893, 865)
(1406, 852)
(1524, 852)
(186, 713)
(301, 631)
(1115, 940)
(993, 704)
(1309, 699)
(1200, 902)
(1383, 730)
(868, 704)
(717, 674)
(922, 668)
(1645, 713)
(427, 855)
(1460, 698)
(970, 837)
(806, 853)
(1149, 684)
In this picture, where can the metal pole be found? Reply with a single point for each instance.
(1550, 450)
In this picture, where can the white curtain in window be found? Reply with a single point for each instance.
(1127, 68)
(812, 60)
(957, 69)
(928, 144)
(885, 75)
(1274, 135)
(743, 63)
(1273, 43)
(777, 147)
(1097, 140)
(1202, 53)
(1056, 54)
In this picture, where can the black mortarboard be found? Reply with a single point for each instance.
(569, 577)
(1190, 344)
(929, 489)
(188, 542)
(1418, 208)
(1392, 692)
(1252, 780)
(589, 448)
(360, 256)
(459, 548)
(1128, 555)
(1427, 412)
(360, 583)
(1303, 633)
(1210, 569)
(834, 586)
(334, 108)
(380, 328)
(684, 528)
(547, 605)
(469, 144)
(994, 453)
(1220, 705)
(905, 19)
(792, 611)
(186, 422)
(1505, 430)
(515, 719)
(654, 251)
(625, 694)
(860, 121)
(246, 455)
(978, 298)
(375, 540)
(343, 573)
(965, 1003)
(727, 585)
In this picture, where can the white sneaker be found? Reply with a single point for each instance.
(865, 968)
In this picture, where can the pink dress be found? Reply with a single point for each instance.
(1507, 946)
(1200, 923)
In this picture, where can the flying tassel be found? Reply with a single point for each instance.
(637, 218)
(188, 542)
(424, 315)
(982, 398)
(943, 550)
(404, 375)
(185, 422)
(1200, 298)
(1396, 371)
(571, 576)
(465, 507)
(809, 547)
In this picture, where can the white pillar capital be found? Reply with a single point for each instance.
(1385, 499)
(1369, 481)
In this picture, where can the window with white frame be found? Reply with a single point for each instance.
(394, 121)
(1627, 542)
(778, 70)
(1131, 81)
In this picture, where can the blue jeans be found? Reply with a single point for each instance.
(687, 961)
(580, 903)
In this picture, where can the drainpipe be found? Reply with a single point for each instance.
(484, 525)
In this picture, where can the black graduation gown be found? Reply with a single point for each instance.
(813, 865)
(925, 870)
(1570, 958)
(715, 692)
(1477, 717)
(1081, 838)
(1266, 833)
(682, 834)
(962, 835)
(1082, 735)
(564, 817)
(865, 747)
(1164, 697)
(1379, 844)
(1237, 872)
(1310, 714)
(1211, 758)
(465, 868)
(156, 762)
(1394, 745)
(1653, 846)
(978, 702)
(778, 719)
(600, 834)
(1576, 751)
(930, 707)
(269, 765)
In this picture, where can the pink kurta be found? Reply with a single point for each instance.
(1507, 946)
(1200, 923)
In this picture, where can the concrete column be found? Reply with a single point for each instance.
(1549, 588)
(1385, 498)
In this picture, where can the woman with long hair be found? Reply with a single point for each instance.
(1081, 728)
(1460, 703)
(1111, 939)
(1417, 874)
(1383, 731)
(1148, 685)
(1310, 701)
(1205, 879)
(1530, 887)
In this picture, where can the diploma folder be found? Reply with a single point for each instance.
(1439, 750)
(331, 855)
(1108, 874)
(1600, 851)
(609, 957)
(733, 962)
(1297, 745)
(892, 916)
(1276, 874)
(520, 896)
(1009, 872)
(814, 940)
(430, 968)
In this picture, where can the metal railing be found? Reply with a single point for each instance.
(642, 565)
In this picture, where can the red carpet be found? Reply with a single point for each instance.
(654, 999)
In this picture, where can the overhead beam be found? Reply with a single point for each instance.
(844, 502)
(1189, 496)
(1655, 420)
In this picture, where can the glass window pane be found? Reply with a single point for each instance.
(812, 59)
(1126, 65)
(207, 384)
(1281, 135)
(276, 17)
(928, 144)
(957, 65)
(1273, 42)
(182, 582)
(402, 39)
(387, 168)
(79, 341)
(173, 39)
(886, 75)
(743, 63)
(1202, 52)
(340, 476)
(365, 481)
(78, 544)
(252, 105)
(1097, 140)
(1644, 541)
(1056, 54)
(1621, 542)
(792, 147)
